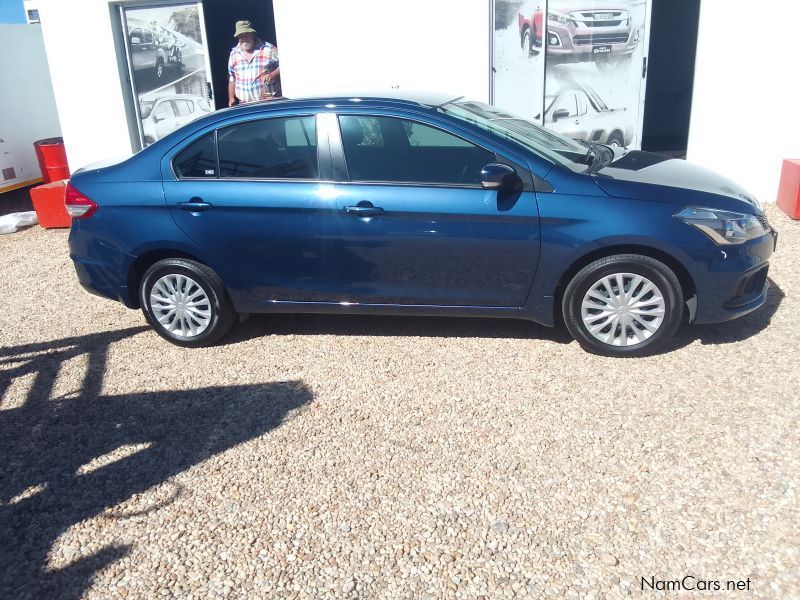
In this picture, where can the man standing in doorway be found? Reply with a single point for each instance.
(253, 69)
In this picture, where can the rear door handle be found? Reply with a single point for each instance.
(363, 211)
(194, 205)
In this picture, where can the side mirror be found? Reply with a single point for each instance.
(561, 113)
(135, 41)
(496, 176)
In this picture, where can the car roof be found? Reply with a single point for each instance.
(373, 99)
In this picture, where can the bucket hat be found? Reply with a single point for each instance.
(243, 27)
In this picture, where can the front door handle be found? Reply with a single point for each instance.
(194, 205)
(363, 209)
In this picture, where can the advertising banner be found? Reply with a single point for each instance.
(167, 62)
(595, 71)
(575, 66)
(518, 57)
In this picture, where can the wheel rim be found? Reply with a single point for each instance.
(623, 309)
(180, 305)
(159, 70)
(615, 143)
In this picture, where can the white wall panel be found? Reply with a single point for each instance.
(746, 109)
(366, 45)
(85, 75)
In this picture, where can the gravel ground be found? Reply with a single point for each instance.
(322, 457)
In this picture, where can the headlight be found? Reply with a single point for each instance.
(558, 18)
(722, 226)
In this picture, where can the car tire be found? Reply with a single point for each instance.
(186, 302)
(526, 43)
(635, 323)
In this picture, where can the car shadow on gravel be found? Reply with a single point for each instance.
(262, 325)
(734, 331)
(67, 459)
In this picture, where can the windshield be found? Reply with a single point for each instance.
(537, 139)
(146, 107)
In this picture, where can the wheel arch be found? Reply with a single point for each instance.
(684, 277)
(146, 260)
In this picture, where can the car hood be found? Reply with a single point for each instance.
(630, 171)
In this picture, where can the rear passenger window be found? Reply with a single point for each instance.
(279, 148)
(199, 159)
(389, 149)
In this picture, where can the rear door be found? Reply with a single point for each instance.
(418, 227)
(260, 213)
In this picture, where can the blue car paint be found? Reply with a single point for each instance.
(291, 247)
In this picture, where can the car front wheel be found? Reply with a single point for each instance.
(526, 43)
(623, 305)
(186, 303)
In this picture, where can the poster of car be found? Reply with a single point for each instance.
(167, 62)
(575, 66)
(594, 69)
(518, 58)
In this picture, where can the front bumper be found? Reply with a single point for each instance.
(568, 42)
(734, 281)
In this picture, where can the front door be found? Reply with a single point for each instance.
(266, 222)
(420, 230)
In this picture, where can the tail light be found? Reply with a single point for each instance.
(78, 206)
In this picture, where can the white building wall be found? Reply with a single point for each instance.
(351, 46)
(745, 111)
(86, 82)
(27, 107)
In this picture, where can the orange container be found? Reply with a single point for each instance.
(48, 202)
(789, 190)
(52, 158)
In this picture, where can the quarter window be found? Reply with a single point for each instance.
(280, 148)
(198, 159)
(400, 150)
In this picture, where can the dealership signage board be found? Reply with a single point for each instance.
(168, 65)
(575, 66)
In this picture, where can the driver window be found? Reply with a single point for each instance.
(164, 111)
(389, 149)
(570, 104)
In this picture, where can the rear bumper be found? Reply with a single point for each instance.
(735, 282)
(100, 267)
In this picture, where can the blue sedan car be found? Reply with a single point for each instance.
(414, 207)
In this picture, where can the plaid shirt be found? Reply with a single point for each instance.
(247, 74)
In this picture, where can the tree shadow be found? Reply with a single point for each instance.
(70, 458)
(260, 325)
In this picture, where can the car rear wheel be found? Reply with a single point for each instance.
(623, 305)
(615, 139)
(186, 303)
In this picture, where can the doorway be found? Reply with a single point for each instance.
(668, 103)
(221, 17)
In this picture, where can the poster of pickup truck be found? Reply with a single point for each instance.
(574, 66)
(578, 112)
